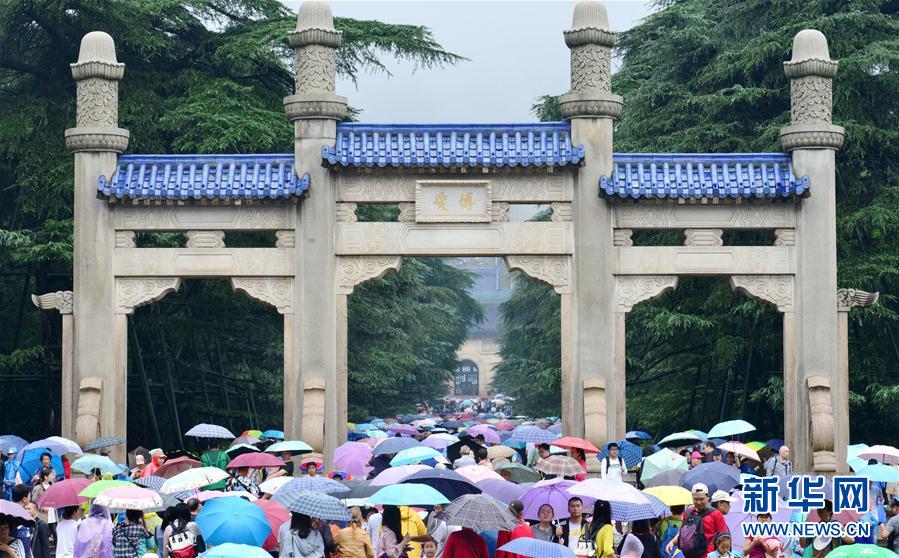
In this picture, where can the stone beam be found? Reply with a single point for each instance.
(667, 215)
(399, 186)
(198, 217)
(487, 239)
(704, 260)
(204, 262)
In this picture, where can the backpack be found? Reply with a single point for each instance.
(182, 542)
(608, 462)
(692, 540)
(669, 533)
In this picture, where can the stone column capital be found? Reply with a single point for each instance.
(315, 42)
(591, 42)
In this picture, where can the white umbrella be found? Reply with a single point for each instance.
(608, 490)
(193, 479)
(271, 486)
(740, 449)
(888, 455)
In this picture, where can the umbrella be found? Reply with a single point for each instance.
(313, 504)
(852, 458)
(679, 439)
(254, 433)
(630, 452)
(556, 428)
(57, 445)
(90, 461)
(233, 520)
(292, 446)
(365, 426)
(128, 498)
(272, 486)
(247, 439)
(532, 435)
(12, 441)
(378, 434)
(609, 490)
(671, 495)
(415, 455)
(489, 434)
(702, 435)
(665, 478)
(626, 511)
(740, 449)
(203, 430)
(408, 495)
(276, 515)
(323, 485)
(139, 450)
(16, 513)
(887, 455)
(353, 457)
(477, 473)
(241, 449)
(192, 479)
(403, 429)
(479, 512)
(862, 551)
(440, 444)
(735, 517)
(106, 442)
(560, 465)
(30, 463)
(178, 465)
(231, 550)
(95, 488)
(451, 438)
(520, 473)
(498, 452)
(879, 473)
(394, 445)
(152, 482)
(255, 460)
(359, 490)
(552, 493)
(637, 435)
(661, 461)
(273, 434)
(504, 425)
(394, 475)
(716, 476)
(730, 428)
(527, 546)
(501, 489)
(570, 442)
(64, 494)
(445, 481)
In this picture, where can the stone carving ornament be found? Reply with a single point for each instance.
(98, 103)
(821, 423)
(848, 299)
(277, 291)
(87, 421)
(133, 292)
(776, 289)
(634, 289)
(354, 270)
(591, 68)
(553, 270)
(316, 68)
(62, 301)
(810, 99)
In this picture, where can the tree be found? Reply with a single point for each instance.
(202, 76)
(706, 76)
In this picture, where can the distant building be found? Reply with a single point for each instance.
(479, 355)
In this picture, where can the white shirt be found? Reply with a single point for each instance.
(610, 469)
(66, 530)
(574, 533)
(373, 526)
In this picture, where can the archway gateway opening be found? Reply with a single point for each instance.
(453, 185)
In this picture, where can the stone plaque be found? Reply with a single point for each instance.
(452, 201)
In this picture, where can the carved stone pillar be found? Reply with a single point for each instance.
(63, 302)
(95, 141)
(812, 140)
(592, 109)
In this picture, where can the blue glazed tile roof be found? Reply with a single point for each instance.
(702, 175)
(453, 145)
(204, 177)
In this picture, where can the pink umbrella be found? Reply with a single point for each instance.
(404, 429)
(888, 455)
(17, 513)
(490, 435)
(353, 457)
(276, 515)
(477, 473)
(394, 475)
(844, 517)
(129, 498)
(178, 465)
(255, 460)
(505, 425)
(64, 494)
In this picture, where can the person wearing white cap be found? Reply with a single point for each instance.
(721, 501)
(701, 522)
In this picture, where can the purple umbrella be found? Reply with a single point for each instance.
(353, 457)
(16, 513)
(501, 489)
(390, 446)
(552, 492)
(403, 429)
(394, 475)
(438, 444)
(532, 435)
(489, 434)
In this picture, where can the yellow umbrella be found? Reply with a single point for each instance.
(671, 495)
(494, 452)
(757, 446)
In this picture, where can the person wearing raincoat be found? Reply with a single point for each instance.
(157, 459)
(94, 537)
(10, 473)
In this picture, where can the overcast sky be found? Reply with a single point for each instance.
(515, 49)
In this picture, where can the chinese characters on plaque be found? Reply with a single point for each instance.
(452, 201)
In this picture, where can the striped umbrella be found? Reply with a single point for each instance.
(204, 430)
(394, 445)
(532, 435)
(313, 504)
(630, 452)
(479, 512)
(560, 465)
(627, 511)
(153, 482)
(535, 548)
(193, 479)
(322, 485)
(129, 498)
(107, 442)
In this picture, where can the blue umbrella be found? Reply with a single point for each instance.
(233, 520)
(90, 461)
(535, 548)
(408, 495)
(716, 476)
(730, 428)
(879, 473)
(30, 463)
(532, 435)
(395, 445)
(106, 442)
(152, 482)
(12, 441)
(446, 481)
(630, 452)
(625, 511)
(378, 434)
(412, 455)
(231, 550)
(775, 444)
(273, 434)
(366, 426)
(323, 485)
(637, 435)
(556, 429)
(702, 435)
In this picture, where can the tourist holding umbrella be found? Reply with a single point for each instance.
(523, 530)
(11, 516)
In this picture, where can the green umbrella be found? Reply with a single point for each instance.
(520, 473)
(95, 488)
(661, 461)
(861, 551)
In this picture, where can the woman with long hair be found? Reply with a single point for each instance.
(298, 539)
(600, 531)
(392, 542)
(640, 542)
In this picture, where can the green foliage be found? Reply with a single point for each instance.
(202, 76)
(707, 76)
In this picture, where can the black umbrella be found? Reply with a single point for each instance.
(452, 451)
(445, 481)
(358, 489)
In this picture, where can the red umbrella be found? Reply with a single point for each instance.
(255, 460)
(570, 442)
(277, 515)
(64, 494)
(505, 425)
(178, 465)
